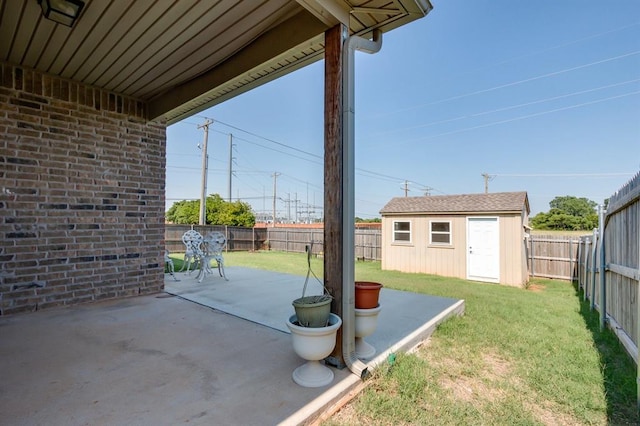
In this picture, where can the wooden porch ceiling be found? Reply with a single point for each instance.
(183, 56)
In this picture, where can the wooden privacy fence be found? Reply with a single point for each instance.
(609, 267)
(238, 238)
(367, 241)
(553, 256)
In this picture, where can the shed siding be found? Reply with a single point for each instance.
(511, 248)
(451, 261)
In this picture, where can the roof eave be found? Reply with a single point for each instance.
(452, 213)
(285, 56)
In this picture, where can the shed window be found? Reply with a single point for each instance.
(401, 231)
(440, 233)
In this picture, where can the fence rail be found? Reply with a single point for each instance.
(238, 238)
(606, 265)
(548, 256)
(609, 268)
(368, 242)
(553, 256)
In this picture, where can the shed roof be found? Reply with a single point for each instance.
(497, 202)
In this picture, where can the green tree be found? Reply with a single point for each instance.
(218, 212)
(574, 206)
(374, 220)
(184, 212)
(568, 213)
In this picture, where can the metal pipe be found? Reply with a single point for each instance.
(352, 44)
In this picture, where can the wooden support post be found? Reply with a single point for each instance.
(333, 177)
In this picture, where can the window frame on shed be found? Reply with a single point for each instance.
(449, 233)
(394, 232)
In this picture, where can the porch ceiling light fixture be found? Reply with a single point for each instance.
(64, 12)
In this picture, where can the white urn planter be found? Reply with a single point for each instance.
(366, 323)
(313, 344)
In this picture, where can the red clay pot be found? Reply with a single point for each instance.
(367, 294)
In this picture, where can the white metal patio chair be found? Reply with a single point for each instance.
(168, 265)
(193, 253)
(214, 244)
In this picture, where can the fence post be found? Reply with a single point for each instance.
(594, 251)
(579, 263)
(571, 260)
(533, 272)
(603, 274)
(587, 266)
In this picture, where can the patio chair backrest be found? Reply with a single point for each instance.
(193, 242)
(215, 242)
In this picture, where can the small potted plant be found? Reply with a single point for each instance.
(313, 333)
(312, 311)
(367, 294)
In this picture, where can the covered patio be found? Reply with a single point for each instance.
(215, 352)
(85, 101)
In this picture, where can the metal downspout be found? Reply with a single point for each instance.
(352, 44)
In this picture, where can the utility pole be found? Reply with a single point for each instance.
(308, 214)
(288, 201)
(275, 178)
(487, 177)
(205, 161)
(230, 163)
(406, 188)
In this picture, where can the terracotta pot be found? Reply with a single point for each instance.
(367, 294)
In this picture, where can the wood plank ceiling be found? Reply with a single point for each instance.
(183, 56)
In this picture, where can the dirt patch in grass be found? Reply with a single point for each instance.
(477, 389)
(483, 382)
(546, 414)
(497, 367)
(536, 287)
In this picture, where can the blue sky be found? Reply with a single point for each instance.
(542, 96)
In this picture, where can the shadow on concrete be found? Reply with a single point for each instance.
(206, 353)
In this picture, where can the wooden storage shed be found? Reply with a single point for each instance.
(479, 237)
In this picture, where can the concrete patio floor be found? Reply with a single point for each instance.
(162, 359)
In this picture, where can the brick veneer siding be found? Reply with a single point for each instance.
(82, 178)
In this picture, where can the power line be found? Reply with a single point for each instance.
(360, 171)
(270, 140)
(523, 117)
(558, 46)
(555, 175)
(515, 83)
(478, 114)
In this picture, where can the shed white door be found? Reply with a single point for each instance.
(483, 249)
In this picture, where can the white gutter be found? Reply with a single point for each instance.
(352, 44)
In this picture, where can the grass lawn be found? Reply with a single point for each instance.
(517, 357)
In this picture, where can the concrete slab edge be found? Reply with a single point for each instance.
(327, 404)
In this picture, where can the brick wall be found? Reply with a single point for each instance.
(82, 178)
